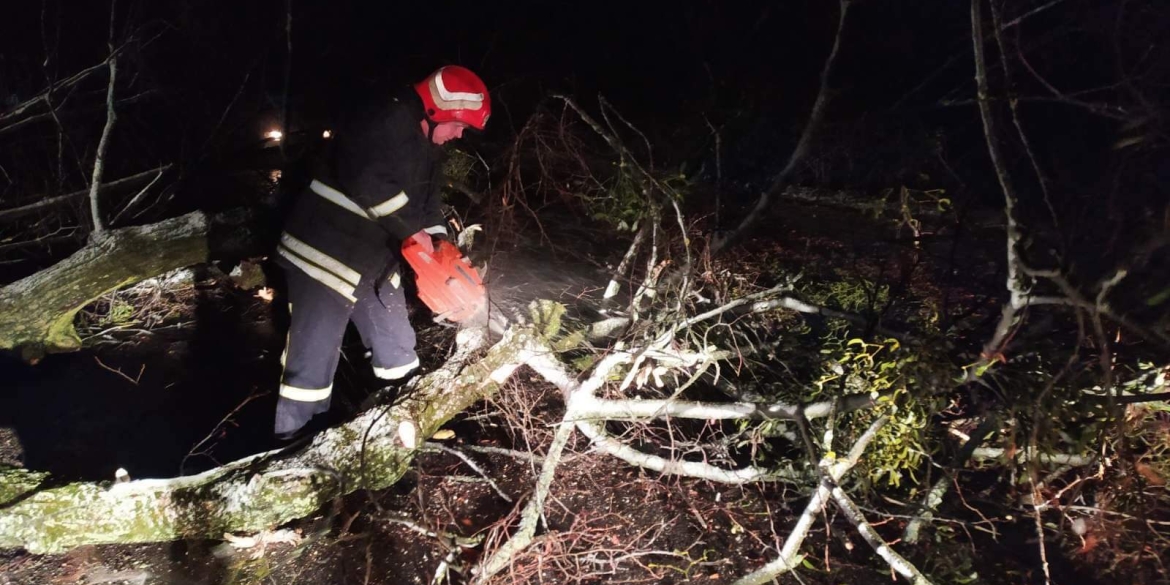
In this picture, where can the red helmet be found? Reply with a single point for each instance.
(455, 94)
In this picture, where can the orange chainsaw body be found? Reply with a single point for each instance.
(446, 281)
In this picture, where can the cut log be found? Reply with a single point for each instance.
(262, 491)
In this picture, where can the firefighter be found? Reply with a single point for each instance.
(377, 187)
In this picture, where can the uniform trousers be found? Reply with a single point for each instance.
(319, 319)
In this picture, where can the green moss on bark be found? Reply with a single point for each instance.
(257, 493)
(36, 313)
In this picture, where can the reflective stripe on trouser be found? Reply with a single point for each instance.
(315, 335)
(382, 321)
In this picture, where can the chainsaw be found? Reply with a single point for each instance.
(447, 283)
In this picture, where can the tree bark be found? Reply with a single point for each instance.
(36, 313)
(261, 491)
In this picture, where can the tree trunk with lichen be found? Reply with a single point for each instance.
(36, 313)
(262, 491)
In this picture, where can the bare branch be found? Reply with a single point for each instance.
(99, 226)
(14, 212)
(1104, 110)
(955, 58)
(896, 561)
(798, 153)
(605, 105)
(57, 114)
(592, 408)
(42, 241)
(790, 556)
(1017, 20)
(22, 109)
(532, 511)
(433, 446)
(609, 445)
(138, 196)
(611, 289)
(1026, 455)
(934, 497)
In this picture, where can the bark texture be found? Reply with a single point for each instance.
(262, 491)
(36, 313)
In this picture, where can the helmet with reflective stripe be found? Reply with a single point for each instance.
(455, 94)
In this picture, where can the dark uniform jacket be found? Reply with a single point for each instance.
(376, 186)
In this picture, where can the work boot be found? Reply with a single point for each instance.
(296, 419)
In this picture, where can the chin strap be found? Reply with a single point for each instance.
(430, 128)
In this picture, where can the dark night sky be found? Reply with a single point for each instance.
(660, 58)
(750, 67)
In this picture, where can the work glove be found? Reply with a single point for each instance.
(437, 239)
(432, 242)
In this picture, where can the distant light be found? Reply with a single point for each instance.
(327, 134)
(275, 135)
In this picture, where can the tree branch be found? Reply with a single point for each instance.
(532, 511)
(611, 446)
(99, 225)
(934, 497)
(896, 561)
(263, 490)
(611, 289)
(790, 556)
(798, 153)
(15, 212)
(593, 408)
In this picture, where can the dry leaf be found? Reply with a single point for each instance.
(1149, 474)
(443, 435)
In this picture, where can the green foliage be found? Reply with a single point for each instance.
(624, 200)
(848, 292)
(912, 204)
(899, 447)
(118, 312)
(458, 166)
(890, 375)
(621, 203)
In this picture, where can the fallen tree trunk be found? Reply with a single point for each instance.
(262, 491)
(36, 313)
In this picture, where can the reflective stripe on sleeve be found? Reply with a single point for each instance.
(396, 372)
(321, 259)
(305, 394)
(319, 274)
(436, 230)
(390, 205)
(337, 197)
